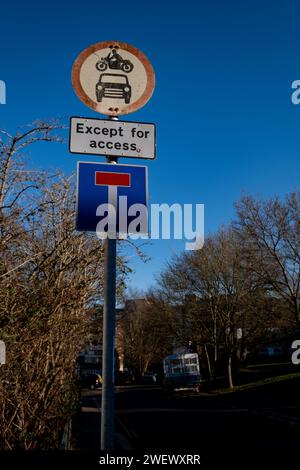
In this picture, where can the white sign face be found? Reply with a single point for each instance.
(2, 353)
(115, 138)
(113, 78)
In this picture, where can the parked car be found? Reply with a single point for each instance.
(91, 381)
(124, 378)
(149, 378)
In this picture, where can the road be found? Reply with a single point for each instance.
(148, 419)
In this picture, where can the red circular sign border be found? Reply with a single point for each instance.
(127, 47)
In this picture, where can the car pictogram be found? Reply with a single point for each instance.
(113, 86)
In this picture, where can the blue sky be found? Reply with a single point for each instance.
(225, 122)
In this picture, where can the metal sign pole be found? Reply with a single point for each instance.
(107, 404)
(133, 90)
(108, 344)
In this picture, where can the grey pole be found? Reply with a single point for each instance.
(107, 404)
(108, 344)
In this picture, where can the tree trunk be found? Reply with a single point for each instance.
(229, 372)
(208, 363)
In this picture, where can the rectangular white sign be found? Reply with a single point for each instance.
(114, 138)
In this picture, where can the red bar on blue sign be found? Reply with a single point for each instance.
(112, 179)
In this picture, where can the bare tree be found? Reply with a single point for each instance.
(18, 184)
(214, 298)
(144, 333)
(270, 233)
(51, 281)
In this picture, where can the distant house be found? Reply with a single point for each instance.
(90, 359)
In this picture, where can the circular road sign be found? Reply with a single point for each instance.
(113, 78)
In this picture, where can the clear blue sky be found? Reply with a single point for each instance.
(225, 122)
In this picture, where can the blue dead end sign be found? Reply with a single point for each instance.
(123, 187)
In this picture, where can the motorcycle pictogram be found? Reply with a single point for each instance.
(114, 61)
